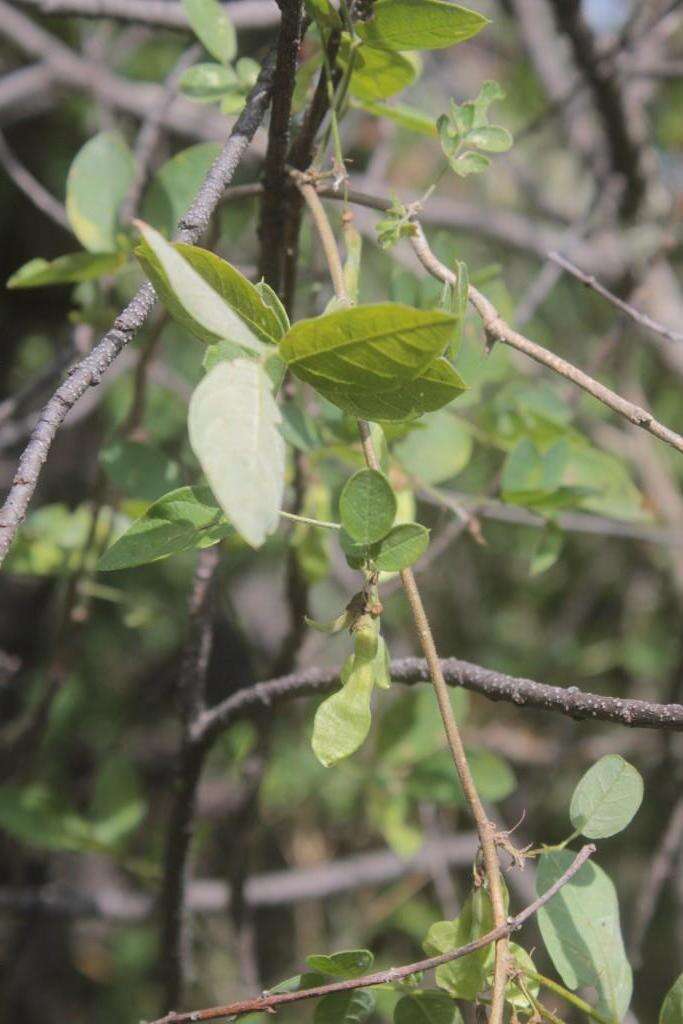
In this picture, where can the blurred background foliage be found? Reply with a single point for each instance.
(529, 587)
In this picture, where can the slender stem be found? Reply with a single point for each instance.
(485, 829)
(308, 521)
(569, 997)
(269, 1002)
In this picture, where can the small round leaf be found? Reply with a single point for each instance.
(606, 798)
(367, 506)
(402, 546)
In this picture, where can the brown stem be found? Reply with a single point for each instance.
(270, 1002)
(486, 831)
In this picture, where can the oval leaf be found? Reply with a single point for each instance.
(606, 798)
(208, 81)
(402, 546)
(175, 185)
(343, 720)
(367, 506)
(69, 269)
(97, 183)
(345, 1008)
(213, 28)
(372, 347)
(581, 930)
(437, 449)
(233, 425)
(419, 25)
(205, 294)
(428, 1007)
(349, 963)
(183, 519)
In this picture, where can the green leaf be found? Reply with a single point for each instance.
(375, 347)
(69, 269)
(118, 807)
(426, 1007)
(402, 546)
(183, 519)
(208, 82)
(402, 114)
(548, 549)
(352, 1007)
(492, 139)
(606, 798)
(672, 1007)
(343, 720)
(205, 294)
(378, 74)
(530, 476)
(97, 184)
(581, 931)
(381, 665)
(233, 425)
(35, 816)
(470, 163)
(437, 386)
(270, 299)
(350, 963)
(367, 506)
(419, 25)
(139, 470)
(175, 185)
(213, 28)
(514, 994)
(324, 13)
(437, 449)
(464, 978)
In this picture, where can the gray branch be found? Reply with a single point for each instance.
(89, 371)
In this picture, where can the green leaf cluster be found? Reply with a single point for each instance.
(466, 135)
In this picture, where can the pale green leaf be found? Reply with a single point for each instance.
(547, 550)
(403, 545)
(581, 930)
(470, 162)
(464, 978)
(97, 183)
(353, 1007)
(181, 520)
(271, 299)
(233, 425)
(514, 994)
(343, 720)
(378, 74)
(349, 963)
(208, 81)
(205, 294)
(492, 138)
(367, 506)
(69, 269)
(381, 666)
(672, 1007)
(437, 449)
(175, 185)
(213, 28)
(377, 347)
(419, 25)
(426, 1007)
(324, 13)
(606, 798)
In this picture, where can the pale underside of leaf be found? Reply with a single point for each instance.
(233, 425)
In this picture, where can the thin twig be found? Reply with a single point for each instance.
(31, 187)
(268, 1002)
(498, 330)
(90, 370)
(486, 830)
(496, 686)
(160, 13)
(630, 311)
